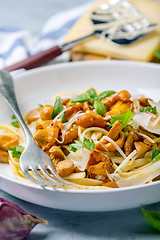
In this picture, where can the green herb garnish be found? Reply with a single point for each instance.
(100, 107)
(157, 54)
(149, 109)
(105, 94)
(155, 155)
(109, 125)
(16, 151)
(124, 118)
(58, 107)
(88, 144)
(15, 123)
(13, 116)
(91, 95)
(40, 105)
(152, 217)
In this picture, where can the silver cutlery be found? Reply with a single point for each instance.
(118, 22)
(33, 160)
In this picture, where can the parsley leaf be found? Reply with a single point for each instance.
(100, 107)
(109, 125)
(105, 94)
(157, 54)
(88, 144)
(15, 123)
(75, 146)
(124, 118)
(40, 105)
(80, 98)
(91, 95)
(58, 107)
(155, 154)
(13, 116)
(152, 217)
(16, 151)
(87, 96)
(149, 109)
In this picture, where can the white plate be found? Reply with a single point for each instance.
(36, 86)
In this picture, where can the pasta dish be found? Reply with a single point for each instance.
(106, 139)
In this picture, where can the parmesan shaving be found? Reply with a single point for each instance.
(136, 106)
(80, 158)
(144, 119)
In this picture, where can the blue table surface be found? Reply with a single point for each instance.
(66, 225)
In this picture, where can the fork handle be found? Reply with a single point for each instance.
(37, 59)
(8, 94)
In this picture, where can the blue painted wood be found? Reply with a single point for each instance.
(67, 225)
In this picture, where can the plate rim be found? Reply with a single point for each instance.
(19, 75)
(71, 65)
(112, 190)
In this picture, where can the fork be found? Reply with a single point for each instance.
(126, 33)
(33, 159)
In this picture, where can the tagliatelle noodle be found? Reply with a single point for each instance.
(142, 176)
(115, 145)
(10, 128)
(94, 129)
(132, 165)
(76, 175)
(156, 121)
(126, 160)
(128, 170)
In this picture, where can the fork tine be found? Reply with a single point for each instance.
(46, 174)
(55, 174)
(30, 178)
(32, 156)
(43, 180)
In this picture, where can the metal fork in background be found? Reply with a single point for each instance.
(33, 159)
(120, 22)
(126, 34)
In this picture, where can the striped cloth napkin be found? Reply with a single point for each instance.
(16, 44)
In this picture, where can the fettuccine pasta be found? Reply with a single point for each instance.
(105, 140)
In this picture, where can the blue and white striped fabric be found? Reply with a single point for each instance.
(16, 44)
